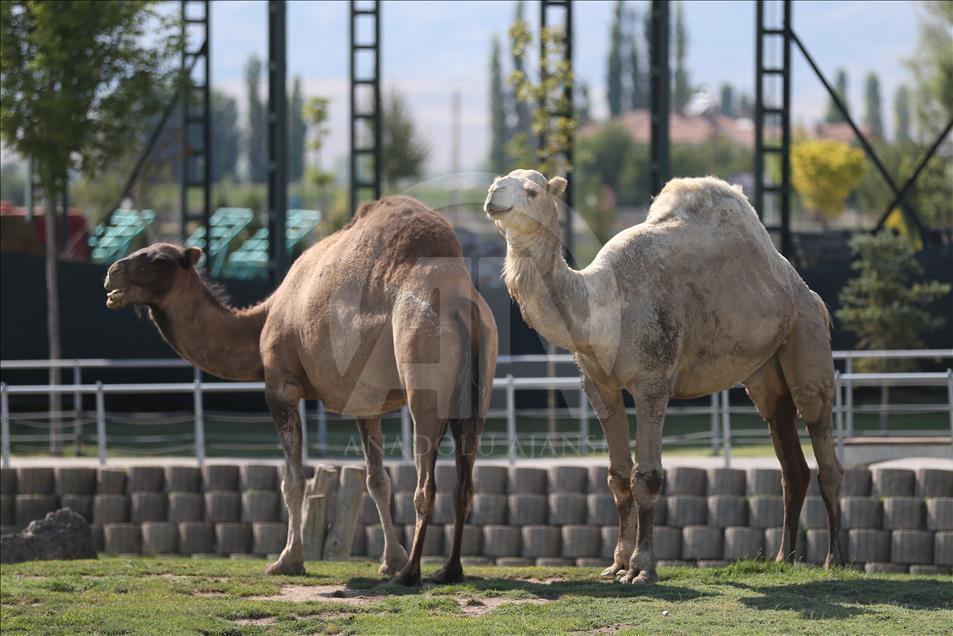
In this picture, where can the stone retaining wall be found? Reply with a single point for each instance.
(893, 519)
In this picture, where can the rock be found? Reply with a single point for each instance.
(60, 535)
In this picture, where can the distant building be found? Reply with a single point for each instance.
(685, 129)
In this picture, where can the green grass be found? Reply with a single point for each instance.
(153, 596)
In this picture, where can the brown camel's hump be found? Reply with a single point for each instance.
(409, 228)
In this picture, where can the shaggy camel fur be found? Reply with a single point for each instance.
(688, 303)
(377, 315)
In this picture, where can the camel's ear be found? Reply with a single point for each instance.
(192, 256)
(556, 186)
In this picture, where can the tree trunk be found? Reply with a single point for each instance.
(53, 320)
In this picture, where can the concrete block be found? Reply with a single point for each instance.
(501, 541)
(712, 563)
(148, 506)
(359, 545)
(928, 570)
(97, 532)
(527, 510)
(667, 542)
(885, 568)
(111, 481)
(8, 510)
(911, 547)
(445, 474)
(687, 510)
(598, 480)
(443, 509)
(903, 513)
(581, 541)
(490, 480)
(940, 513)
(472, 540)
(35, 480)
(685, 480)
(866, 545)
(403, 478)
(222, 477)
(433, 539)
(568, 479)
(765, 511)
(8, 482)
(541, 541)
(727, 481)
(160, 537)
(432, 560)
(375, 539)
(861, 512)
(772, 544)
(223, 507)
(80, 504)
(818, 544)
(122, 538)
(554, 562)
(660, 517)
(269, 537)
(32, 507)
(489, 510)
(525, 480)
(727, 510)
(186, 506)
(764, 482)
(742, 543)
(814, 513)
(856, 482)
(568, 508)
(476, 561)
(601, 510)
(515, 562)
(813, 489)
(943, 548)
(196, 537)
(233, 538)
(934, 482)
(610, 538)
(675, 563)
(369, 513)
(183, 479)
(701, 542)
(260, 506)
(893, 482)
(259, 477)
(598, 563)
(404, 511)
(110, 509)
(78, 480)
(145, 479)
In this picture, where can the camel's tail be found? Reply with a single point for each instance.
(466, 421)
(823, 307)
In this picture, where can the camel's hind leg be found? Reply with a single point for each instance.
(809, 372)
(282, 400)
(378, 485)
(768, 391)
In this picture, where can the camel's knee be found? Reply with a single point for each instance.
(814, 401)
(378, 485)
(621, 485)
(423, 499)
(646, 485)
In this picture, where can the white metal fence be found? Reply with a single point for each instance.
(719, 409)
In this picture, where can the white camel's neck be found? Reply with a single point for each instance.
(216, 338)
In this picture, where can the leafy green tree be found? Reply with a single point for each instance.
(614, 66)
(498, 130)
(226, 136)
(78, 79)
(520, 109)
(901, 115)
(745, 106)
(932, 69)
(638, 86)
(315, 116)
(834, 115)
(873, 117)
(583, 105)
(257, 155)
(296, 132)
(683, 89)
(824, 173)
(403, 152)
(12, 183)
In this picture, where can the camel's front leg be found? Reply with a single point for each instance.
(282, 404)
(378, 485)
(646, 480)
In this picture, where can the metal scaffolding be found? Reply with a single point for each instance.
(277, 126)
(366, 112)
(659, 90)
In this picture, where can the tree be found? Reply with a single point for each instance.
(834, 115)
(403, 152)
(745, 106)
(315, 117)
(873, 118)
(932, 69)
(296, 132)
(226, 136)
(638, 91)
(583, 105)
(824, 173)
(901, 113)
(727, 100)
(521, 114)
(257, 156)
(77, 82)
(614, 67)
(498, 132)
(683, 90)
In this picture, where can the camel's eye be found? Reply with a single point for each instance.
(531, 191)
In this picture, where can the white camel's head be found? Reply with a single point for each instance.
(523, 201)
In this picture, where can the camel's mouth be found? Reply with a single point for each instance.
(116, 298)
(492, 211)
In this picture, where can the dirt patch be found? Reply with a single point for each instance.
(549, 580)
(267, 620)
(481, 606)
(322, 593)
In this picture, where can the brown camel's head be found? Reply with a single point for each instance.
(145, 277)
(523, 201)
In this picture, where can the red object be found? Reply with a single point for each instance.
(77, 246)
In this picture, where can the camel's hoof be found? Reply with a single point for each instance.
(449, 573)
(279, 568)
(612, 571)
(391, 568)
(638, 577)
(408, 578)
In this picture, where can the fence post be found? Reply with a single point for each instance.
(583, 421)
(322, 429)
(726, 428)
(511, 418)
(949, 398)
(714, 424)
(849, 389)
(199, 419)
(4, 426)
(101, 422)
(838, 416)
(303, 416)
(77, 409)
(406, 447)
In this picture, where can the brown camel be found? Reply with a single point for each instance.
(375, 316)
(688, 303)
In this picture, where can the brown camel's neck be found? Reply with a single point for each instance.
(214, 337)
(552, 296)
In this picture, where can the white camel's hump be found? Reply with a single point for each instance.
(699, 195)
